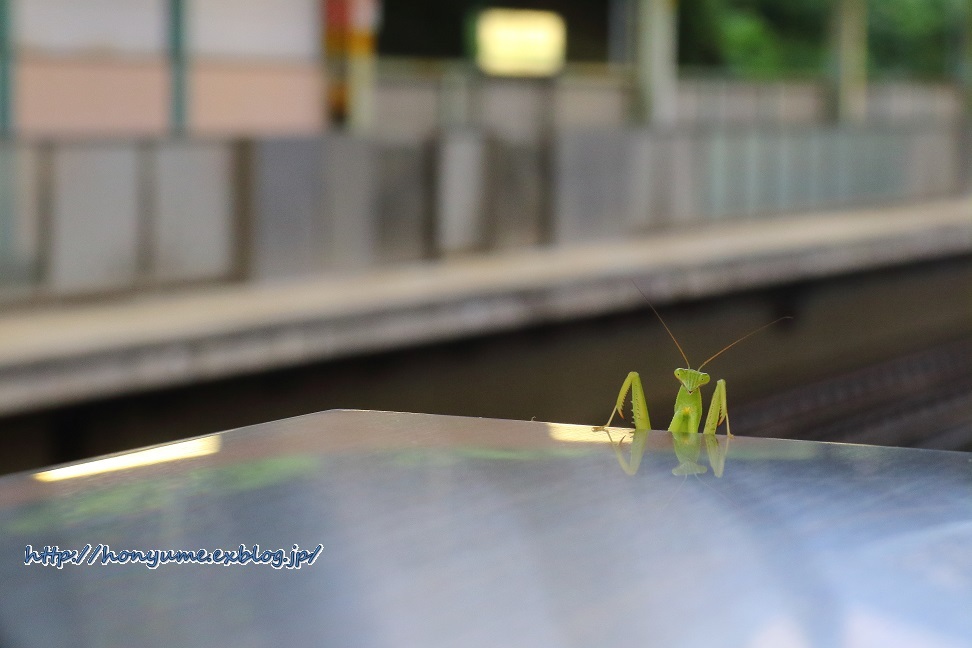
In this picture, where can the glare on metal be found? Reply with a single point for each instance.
(161, 454)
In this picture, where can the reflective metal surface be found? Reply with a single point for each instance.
(443, 531)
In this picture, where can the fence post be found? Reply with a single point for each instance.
(849, 53)
(178, 64)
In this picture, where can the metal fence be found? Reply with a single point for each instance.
(608, 185)
(91, 217)
(414, 98)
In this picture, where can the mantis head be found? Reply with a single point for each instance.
(691, 379)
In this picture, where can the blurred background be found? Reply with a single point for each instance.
(217, 213)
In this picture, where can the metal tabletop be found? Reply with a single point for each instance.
(447, 531)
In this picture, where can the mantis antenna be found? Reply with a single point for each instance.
(670, 334)
(750, 334)
(723, 350)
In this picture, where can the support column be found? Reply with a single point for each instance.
(656, 61)
(6, 69)
(7, 162)
(621, 32)
(966, 86)
(849, 53)
(350, 48)
(967, 60)
(179, 67)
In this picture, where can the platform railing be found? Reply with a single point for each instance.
(114, 216)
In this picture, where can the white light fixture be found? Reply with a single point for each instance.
(512, 42)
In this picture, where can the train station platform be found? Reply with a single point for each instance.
(69, 353)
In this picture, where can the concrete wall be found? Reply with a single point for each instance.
(78, 74)
(286, 30)
(253, 72)
(280, 89)
(91, 97)
(255, 99)
(69, 26)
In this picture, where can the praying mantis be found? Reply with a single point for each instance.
(688, 413)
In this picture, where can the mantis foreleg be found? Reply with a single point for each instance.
(637, 451)
(718, 411)
(639, 407)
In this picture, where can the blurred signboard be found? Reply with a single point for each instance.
(512, 42)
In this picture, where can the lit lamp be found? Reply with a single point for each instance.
(524, 43)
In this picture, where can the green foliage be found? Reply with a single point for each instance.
(747, 38)
(766, 38)
(915, 37)
(751, 45)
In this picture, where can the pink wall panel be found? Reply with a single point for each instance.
(91, 96)
(102, 96)
(256, 98)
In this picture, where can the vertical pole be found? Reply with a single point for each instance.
(966, 85)
(323, 61)
(179, 64)
(8, 165)
(6, 69)
(362, 63)
(967, 60)
(350, 46)
(335, 19)
(849, 52)
(620, 32)
(656, 65)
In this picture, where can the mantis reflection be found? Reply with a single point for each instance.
(688, 413)
(688, 449)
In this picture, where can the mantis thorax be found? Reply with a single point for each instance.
(691, 379)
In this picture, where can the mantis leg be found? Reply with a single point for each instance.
(637, 451)
(717, 453)
(717, 410)
(642, 424)
(638, 406)
(717, 413)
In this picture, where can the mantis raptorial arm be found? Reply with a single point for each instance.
(718, 410)
(638, 440)
(642, 423)
(639, 407)
(716, 452)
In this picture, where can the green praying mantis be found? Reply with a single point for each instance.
(688, 414)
